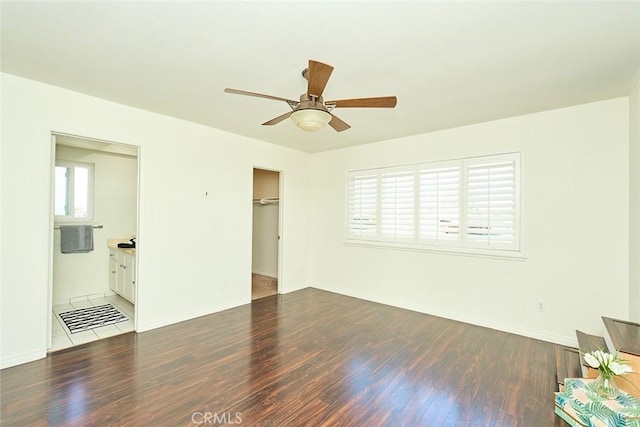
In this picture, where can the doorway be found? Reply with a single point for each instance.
(265, 258)
(94, 209)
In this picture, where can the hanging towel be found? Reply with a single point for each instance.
(76, 238)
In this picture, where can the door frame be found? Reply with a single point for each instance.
(49, 335)
(280, 224)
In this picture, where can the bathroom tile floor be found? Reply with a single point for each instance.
(61, 337)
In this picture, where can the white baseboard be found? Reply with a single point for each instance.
(296, 288)
(460, 317)
(19, 359)
(170, 320)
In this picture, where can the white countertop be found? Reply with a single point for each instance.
(113, 244)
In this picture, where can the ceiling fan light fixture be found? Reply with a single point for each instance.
(310, 120)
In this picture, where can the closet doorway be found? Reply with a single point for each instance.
(94, 210)
(266, 233)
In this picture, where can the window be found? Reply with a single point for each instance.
(464, 203)
(73, 191)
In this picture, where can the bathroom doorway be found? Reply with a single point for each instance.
(94, 211)
(265, 259)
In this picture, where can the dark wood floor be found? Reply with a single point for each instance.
(306, 358)
(263, 286)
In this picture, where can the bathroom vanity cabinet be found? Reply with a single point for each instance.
(122, 272)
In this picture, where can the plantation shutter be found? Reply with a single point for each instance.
(492, 208)
(440, 205)
(397, 205)
(363, 202)
(471, 203)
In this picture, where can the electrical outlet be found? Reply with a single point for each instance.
(540, 306)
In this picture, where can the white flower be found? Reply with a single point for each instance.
(608, 364)
(619, 368)
(591, 360)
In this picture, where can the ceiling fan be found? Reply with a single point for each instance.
(312, 113)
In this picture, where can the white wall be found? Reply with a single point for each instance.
(115, 202)
(576, 215)
(265, 240)
(194, 254)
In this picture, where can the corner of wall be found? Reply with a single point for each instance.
(634, 200)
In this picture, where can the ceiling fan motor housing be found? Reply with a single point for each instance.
(311, 102)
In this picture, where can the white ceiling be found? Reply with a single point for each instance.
(449, 63)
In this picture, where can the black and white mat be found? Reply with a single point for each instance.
(84, 319)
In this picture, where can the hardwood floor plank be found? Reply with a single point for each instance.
(263, 286)
(307, 358)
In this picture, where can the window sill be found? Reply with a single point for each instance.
(443, 250)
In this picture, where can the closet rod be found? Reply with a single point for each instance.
(57, 227)
(266, 201)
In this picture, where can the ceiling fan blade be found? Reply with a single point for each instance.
(258, 95)
(318, 76)
(338, 124)
(379, 102)
(277, 119)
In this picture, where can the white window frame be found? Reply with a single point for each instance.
(463, 245)
(66, 219)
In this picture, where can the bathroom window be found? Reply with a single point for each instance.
(73, 191)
